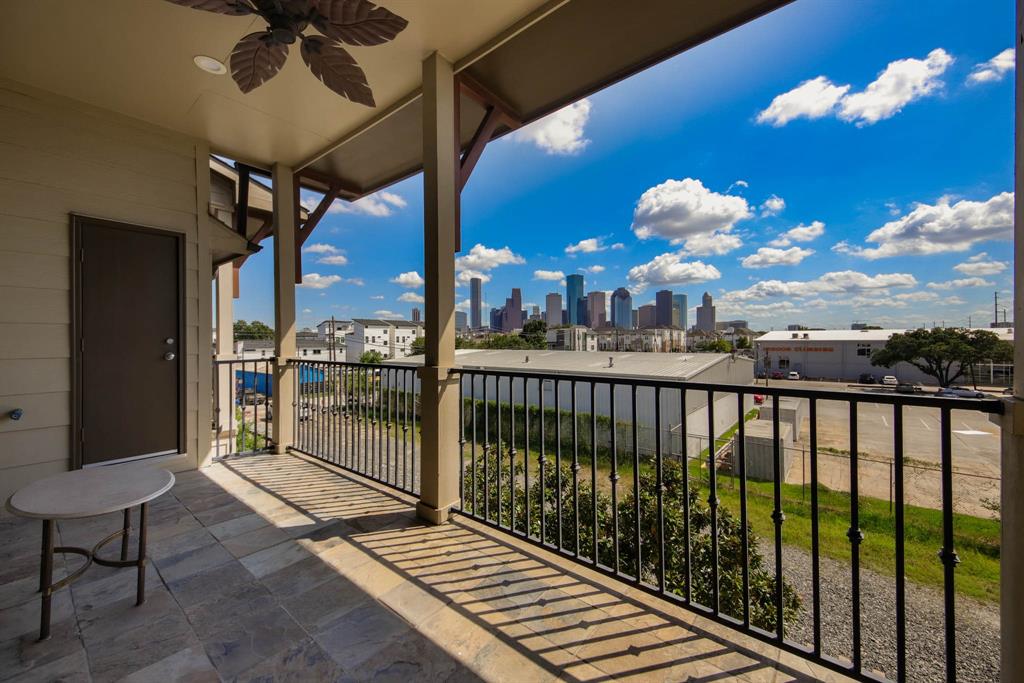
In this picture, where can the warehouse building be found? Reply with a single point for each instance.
(562, 367)
(843, 355)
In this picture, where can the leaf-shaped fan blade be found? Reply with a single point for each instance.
(333, 65)
(357, 22)
(233, 7)
(256, 59)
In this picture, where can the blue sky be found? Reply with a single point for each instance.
(831, 162)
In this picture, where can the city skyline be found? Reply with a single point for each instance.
(814, 192)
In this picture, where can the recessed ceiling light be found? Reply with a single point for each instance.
(210, 65)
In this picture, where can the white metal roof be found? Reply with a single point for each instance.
(853, 335)
(674, 365)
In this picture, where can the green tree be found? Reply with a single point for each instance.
(714, 346)
(371, 357)
(504, 341)
(495, 483)
(535, 334)
(743, 343)
(945, 353)
(418, 346)
(253, 330)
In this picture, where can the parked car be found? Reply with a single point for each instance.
(890, 380)
(793, 374)
(960, 392)
(909, 388)
(777, 374)
(758, 399)
(867, 378)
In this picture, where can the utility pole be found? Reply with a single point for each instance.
(995, 307)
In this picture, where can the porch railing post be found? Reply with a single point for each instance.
(1011, 594)
(225, 348)
(439, 389)
(284, 306)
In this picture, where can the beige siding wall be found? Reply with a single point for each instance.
(59, 157)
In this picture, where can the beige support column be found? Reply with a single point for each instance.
(439, 391)
(284, 306)
(225, 350)
(1011, 589)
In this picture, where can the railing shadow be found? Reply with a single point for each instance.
(549, 611)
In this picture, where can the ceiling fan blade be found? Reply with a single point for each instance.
(357, 22)
(333, 65)
(232, 7)
(256, 59)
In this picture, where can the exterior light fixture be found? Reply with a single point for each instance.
(210, 65)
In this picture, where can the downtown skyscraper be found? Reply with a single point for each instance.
(575, 304)
(475, 303)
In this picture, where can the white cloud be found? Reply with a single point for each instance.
(377, 297)
(334, 260)
(767, 256)
(938, 228)
(317, 281)
(838, 282)
(357, 281)
(685, 212)
(482, 259)
(463, 277)
(994, 69)
(811, 99)
(715, 244)
(380, 204)
(411, 279)
(552, 275)
(618, 245)
(411, 297)
(384, 313)
(801, 233)
(321, 248)
(561, 132)
(587, 246)
(978, 265)
(307, 310)
(593, 269)
(772, 206)
(961, 282)
(900, 83)
(670, 269)
(737, 183)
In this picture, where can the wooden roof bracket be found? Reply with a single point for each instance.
(496, 113)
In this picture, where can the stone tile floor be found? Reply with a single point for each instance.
(271, 568)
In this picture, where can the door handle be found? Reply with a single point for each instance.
(169, 356)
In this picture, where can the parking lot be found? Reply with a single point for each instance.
(975, 442)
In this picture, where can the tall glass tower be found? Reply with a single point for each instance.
(573, 295)
(622, 308)
(680, 310)
(475, 303)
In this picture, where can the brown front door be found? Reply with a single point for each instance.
(128, 341)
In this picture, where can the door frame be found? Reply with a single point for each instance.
(78, 222)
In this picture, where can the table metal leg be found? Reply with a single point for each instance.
(127, 528)
(46, 579)
(140, 596)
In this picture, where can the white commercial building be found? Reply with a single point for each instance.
(647, 339)
(392, 338)
(836, 354)
(561, 368)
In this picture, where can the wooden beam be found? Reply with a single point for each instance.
(483, 134)
(486, 97)
(326, 181)
(262, 233)
(303, 233)
(242, 200)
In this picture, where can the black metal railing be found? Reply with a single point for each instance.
(363, 418)
(628, 476)
(243, 406)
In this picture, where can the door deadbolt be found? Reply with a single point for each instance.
(169, 340)
(169, 356)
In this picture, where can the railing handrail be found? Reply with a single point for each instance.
(985, 405)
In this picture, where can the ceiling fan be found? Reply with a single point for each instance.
(259, 56)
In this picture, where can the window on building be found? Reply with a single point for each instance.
(783, 364)
(863, 349)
